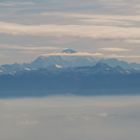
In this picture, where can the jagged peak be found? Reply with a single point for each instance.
(69, 51)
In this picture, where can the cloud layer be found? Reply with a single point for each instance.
(107, 27)
(92, 31)
(77, 118)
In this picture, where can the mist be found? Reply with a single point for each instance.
(70, 118)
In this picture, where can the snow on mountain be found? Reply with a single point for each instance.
(102, 68)
(115, 62)
(69, 51)
(67, 58)
(59, 66)
(70, 58)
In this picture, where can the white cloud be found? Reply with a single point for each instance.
(28, 122)
(133, 41)
(74, 54)
(104, 115)
(13, 4)
(27, 48)
(115, 49)
(91, 31)
(94, 16)
(131, 57)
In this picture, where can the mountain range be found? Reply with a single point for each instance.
(69, 72)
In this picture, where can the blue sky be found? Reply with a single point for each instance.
(109, 28)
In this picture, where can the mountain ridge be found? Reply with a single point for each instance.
(100, 79)
(68, 58)
(69, 74)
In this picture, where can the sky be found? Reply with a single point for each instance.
(30, 28)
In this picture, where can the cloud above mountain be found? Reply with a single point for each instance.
(108, 27)
(92, 31)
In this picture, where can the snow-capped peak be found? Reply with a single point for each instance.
(69, 51)
(58, 66)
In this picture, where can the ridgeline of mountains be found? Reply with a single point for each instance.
(69, 73)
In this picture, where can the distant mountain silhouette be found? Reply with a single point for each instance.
(69, 72)
(68, 58)
(99, 79)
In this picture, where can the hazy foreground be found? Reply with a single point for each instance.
(71, 118)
